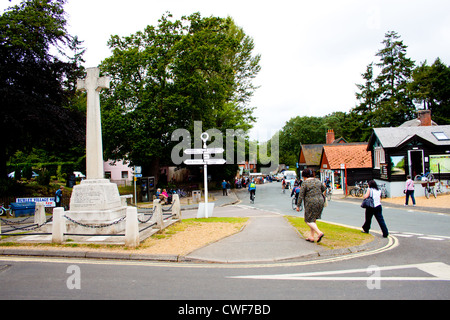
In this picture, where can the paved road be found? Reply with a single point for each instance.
(416, 267)
(270, 197)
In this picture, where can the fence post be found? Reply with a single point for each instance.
(59, 225)
(39, 214)
(132, 228)
(176, 207)
(157, 214)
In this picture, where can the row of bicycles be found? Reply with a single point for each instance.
(431, 185)
(360, 189)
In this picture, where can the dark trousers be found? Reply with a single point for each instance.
(377, 212)
(408, 194)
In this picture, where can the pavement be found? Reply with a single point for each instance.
(267, 237)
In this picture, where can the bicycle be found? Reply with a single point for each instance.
(383, 190)
(439, 189)
(427, 176)
(429, 188)
(359, 189)
(181, 193)
(5, 211)
(252, 197)
(294, 204)
(329, 193)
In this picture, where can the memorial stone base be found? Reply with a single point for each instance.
(96, 202)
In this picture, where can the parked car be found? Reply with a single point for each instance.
(13, 174)
(290, 177)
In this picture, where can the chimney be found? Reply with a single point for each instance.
(330, 136)
(425, 117)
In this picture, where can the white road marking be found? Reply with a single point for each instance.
(439, 272)
(419, 236)
(432, 238)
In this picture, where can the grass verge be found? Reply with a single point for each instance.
(336, 237)
(181, 237)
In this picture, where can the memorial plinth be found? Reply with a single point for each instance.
(94, 203)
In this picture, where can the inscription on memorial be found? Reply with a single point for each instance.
(95, 195)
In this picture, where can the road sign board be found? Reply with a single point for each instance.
(214, 150)
(215, 161)
(138, 175)
(194, 161)
(193, 151)
(202, 162)
(201, 151)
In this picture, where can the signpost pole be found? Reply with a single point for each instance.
(136, 174)
(204, 138)
(134, 178)
(205, 170)
(204, 161)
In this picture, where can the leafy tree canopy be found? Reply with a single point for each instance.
(37, 85)
(170, 75)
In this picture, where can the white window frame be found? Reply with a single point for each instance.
(378, 157)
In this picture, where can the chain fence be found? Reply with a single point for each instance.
(17, 225)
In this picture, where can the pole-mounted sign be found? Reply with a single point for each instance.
(206, 152)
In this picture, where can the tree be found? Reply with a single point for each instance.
(394, 105)
(36, 86)
(300, 130)
(363, 114)
(431, 88)
(170, 75)
(384, 100)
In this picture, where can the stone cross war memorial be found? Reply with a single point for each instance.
(95, 200)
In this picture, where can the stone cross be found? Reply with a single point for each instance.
(93, 84)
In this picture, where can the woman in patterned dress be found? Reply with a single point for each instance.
(312, 193)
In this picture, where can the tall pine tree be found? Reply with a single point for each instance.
(394, 104)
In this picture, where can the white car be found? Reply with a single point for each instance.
(290, 177)
(78, 174)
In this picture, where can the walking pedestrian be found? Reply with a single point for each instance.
(376, 211)
(58, 196)
(224, 188)
(409, 191)
(311, 192)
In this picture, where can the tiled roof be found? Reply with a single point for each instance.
(353, 155)
(311, 154)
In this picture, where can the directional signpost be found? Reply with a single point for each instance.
(206, 152)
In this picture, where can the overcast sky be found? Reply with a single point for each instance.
(312, 52)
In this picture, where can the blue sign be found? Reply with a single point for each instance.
(48, 201)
